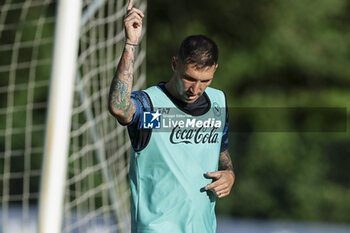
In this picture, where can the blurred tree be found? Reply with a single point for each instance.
(272, 54)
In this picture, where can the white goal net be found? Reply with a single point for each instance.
(96, 197)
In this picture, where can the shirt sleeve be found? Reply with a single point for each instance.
(139, 137)
(224, 140)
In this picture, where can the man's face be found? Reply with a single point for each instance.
(191, 82)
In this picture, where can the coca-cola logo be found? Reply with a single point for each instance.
(202, 135)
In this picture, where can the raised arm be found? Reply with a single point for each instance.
(120, 104)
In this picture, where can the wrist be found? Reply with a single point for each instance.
(229, 170)
(232, 173)
(131, 44)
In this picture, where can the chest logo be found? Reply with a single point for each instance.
(216, 109)
(200, 135)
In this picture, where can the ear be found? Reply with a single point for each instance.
(174, 63)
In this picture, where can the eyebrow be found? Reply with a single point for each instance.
(194, 79)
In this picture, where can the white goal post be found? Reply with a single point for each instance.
(66, 151)
(63, 71)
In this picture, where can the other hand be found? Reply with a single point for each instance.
(223, 184)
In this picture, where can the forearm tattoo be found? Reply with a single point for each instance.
(225, 162)
(120, 90)
(126, 65)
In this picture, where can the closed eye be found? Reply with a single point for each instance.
(191, 79)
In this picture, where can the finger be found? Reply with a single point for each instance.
(222, 194)
(132, 17)
(131, 3)
(214, 185)
(133, 22)
(220, 189)
(216, 175)
(137, 11)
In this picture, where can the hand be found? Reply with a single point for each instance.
(133, 23)
(223, 184)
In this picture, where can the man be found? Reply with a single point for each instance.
(175, 174)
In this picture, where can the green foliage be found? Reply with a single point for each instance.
(272, 54)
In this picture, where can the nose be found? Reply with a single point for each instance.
(195, 87)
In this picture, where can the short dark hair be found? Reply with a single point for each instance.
(198, 50)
